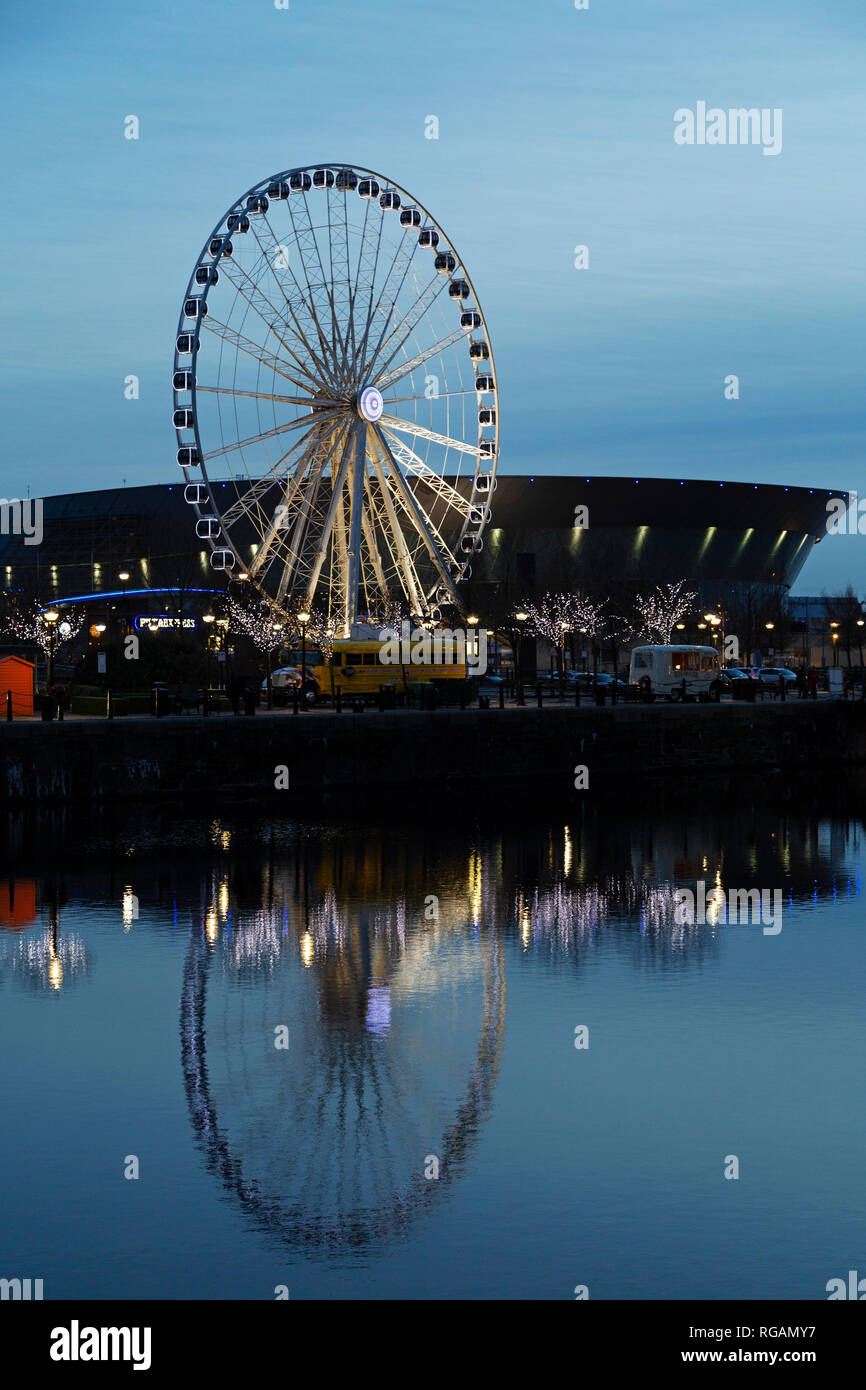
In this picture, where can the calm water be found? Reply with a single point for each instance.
(430, 981)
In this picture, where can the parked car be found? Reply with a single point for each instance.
(773, 673)
(283, 682)
(586, 680)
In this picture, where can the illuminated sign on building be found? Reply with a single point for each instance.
(164, 622)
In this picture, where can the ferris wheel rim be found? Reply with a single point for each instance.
(475, 500)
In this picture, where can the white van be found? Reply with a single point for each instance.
(662, 670)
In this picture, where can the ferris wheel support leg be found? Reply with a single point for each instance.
(420, 524)
(358, 471)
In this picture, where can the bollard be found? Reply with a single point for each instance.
(295, 704)
(502, 697)
(8, 706)
(339, 699)
(783, 688)
(381, 699)
(577, 694)
(109, 707)
(538, 696)
(60, 708)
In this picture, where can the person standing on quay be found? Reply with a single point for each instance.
(813, 683)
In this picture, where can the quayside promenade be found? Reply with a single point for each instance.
(376, 754)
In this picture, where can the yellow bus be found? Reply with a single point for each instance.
(357, 668)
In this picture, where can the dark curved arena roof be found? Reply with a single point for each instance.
(646, 530)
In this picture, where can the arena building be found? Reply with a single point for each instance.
(558, 533)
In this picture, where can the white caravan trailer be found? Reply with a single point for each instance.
(662, 670)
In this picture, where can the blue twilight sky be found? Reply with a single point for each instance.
(555, 128)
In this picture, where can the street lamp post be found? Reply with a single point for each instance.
(51, 619)
(521, 619)
(123, 576)
(223, 625)
(834, 628)
(303, 619)
(207, 618)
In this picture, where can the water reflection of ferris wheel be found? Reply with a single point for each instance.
(394, 1047)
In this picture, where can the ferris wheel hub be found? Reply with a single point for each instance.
(370, 404)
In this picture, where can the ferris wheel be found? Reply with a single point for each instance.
(335, 398)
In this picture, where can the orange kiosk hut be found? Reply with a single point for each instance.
(16, 675)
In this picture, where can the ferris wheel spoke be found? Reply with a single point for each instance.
(259, 303)
(421, 524)
(275, 253)
(308, 251)
(371, 267)
(326, 283)
(265, 396)
(340, 564)
(391, 289)
(430, 478)
(365, 277)
(263, 485)
(439, 554)
(305, 511)
(404, 369)
(394, 422)
(325, 538)
(371, 549)
(409, 323)
(302, 423)
(411, 584)
(381, 519)
(338, 245)
(293, 490)
(416, 400)
(267, 359)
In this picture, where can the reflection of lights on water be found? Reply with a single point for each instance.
(50, 960)
(561, 915)
(567, 852)
(130, 907)
(220, 837)
(524, 918)
(378, 1016)
(308, 949)
(475, 887)
(716, 901)
(224, 899)
(211, 925)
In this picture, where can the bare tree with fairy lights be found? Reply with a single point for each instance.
(560, 615)
(661, 610)
(28, 622)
